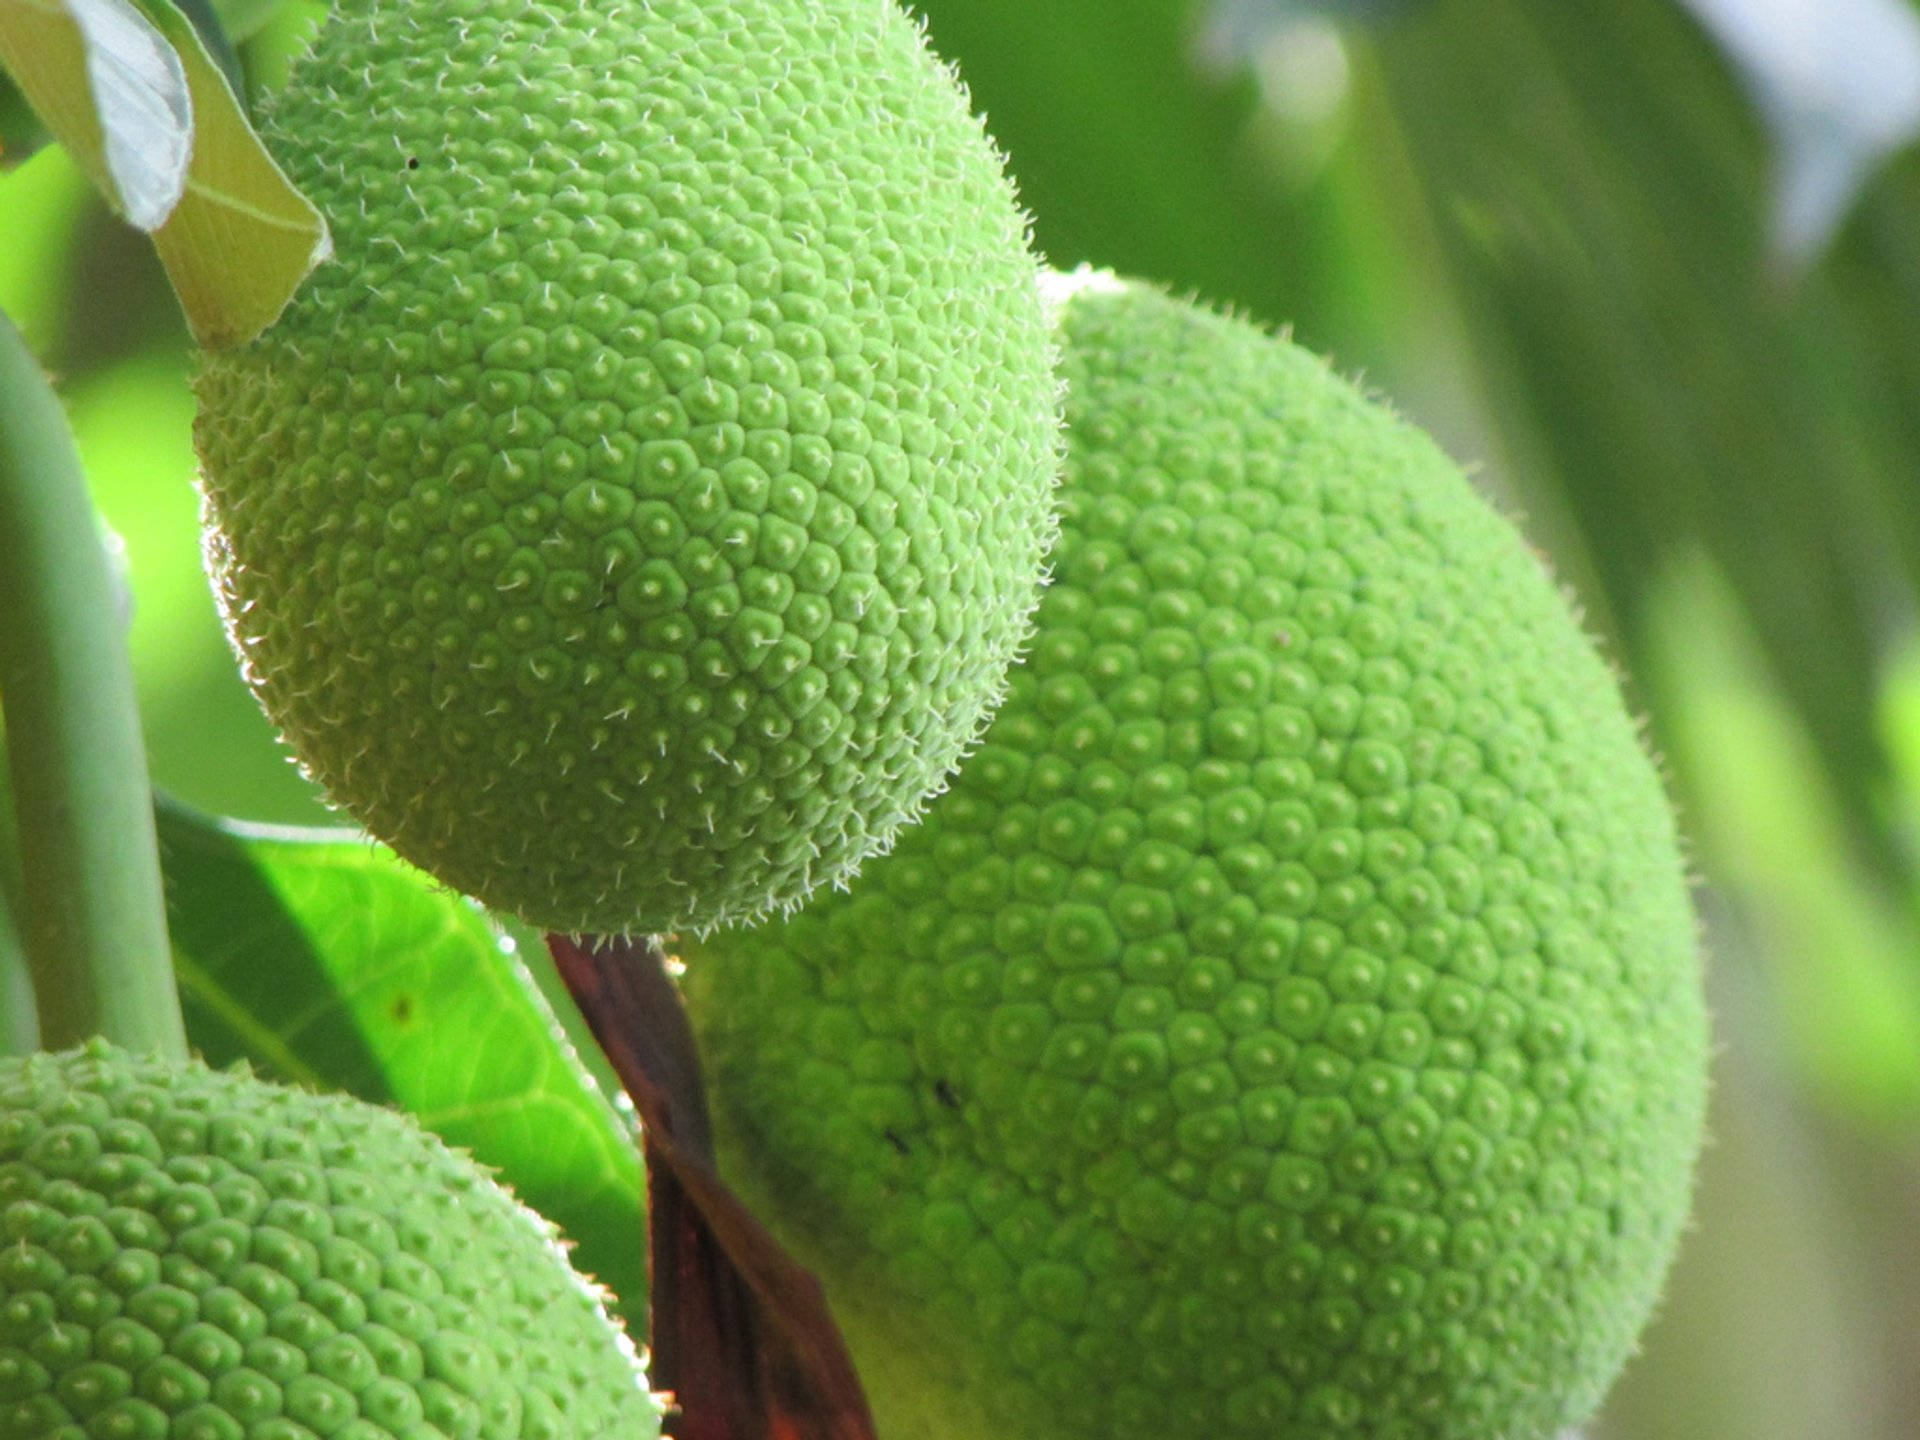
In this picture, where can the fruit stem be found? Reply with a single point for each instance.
(91, 914)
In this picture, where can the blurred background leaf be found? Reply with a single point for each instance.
(19, 1025)
(1138, 141)
(1600, 188)
(1837, 85)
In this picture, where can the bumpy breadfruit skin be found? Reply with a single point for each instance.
(634, 524)
(1289, 1024)
(188, 1254)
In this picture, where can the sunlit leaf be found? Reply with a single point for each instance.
(242, 239)
(325, 961)
(135, 94)
(110, 87)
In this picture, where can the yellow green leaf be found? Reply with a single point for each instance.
(133, 93)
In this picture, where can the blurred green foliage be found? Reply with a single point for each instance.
(1601, 191)
(1546, 231)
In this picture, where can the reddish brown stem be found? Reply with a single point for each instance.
(741, 1333)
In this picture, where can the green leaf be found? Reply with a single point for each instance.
(242, 238)
(135, 95)
(327, 962)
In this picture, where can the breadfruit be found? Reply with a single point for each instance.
(634, 523)
(1290, 1022)
(190, 1254)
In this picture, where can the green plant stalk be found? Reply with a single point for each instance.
(91, 915)
(19, 1026)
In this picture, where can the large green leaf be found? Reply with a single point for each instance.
(325, 961)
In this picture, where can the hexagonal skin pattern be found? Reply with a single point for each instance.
(1289, 1024)
(188, 1254)
(634, 523)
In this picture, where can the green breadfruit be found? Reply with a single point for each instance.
(188, 1254)
(1289, 1024)
(633, 526)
